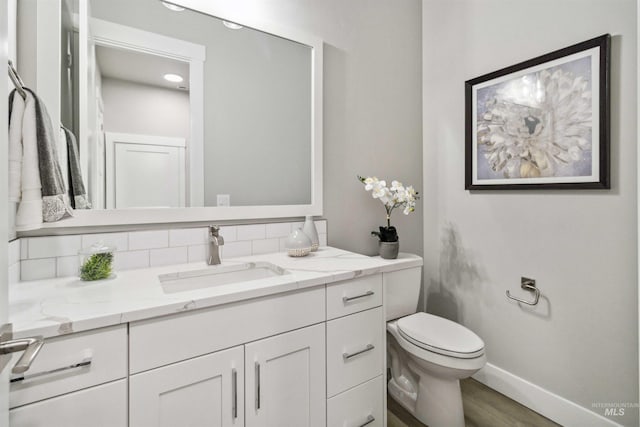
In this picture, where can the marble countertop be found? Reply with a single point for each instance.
(65, 305)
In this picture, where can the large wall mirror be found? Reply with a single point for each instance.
(183, 116)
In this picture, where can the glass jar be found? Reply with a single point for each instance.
(96, 262)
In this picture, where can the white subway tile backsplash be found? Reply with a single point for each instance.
(148, 239)
(229, 233)
(251, 232)
(197, 253)
(14, 252)
(120, 241)
(265, 246)
(67, 266)
(321, 226)
(168, 256)
(281, 229)
(130, 260)
(24, 247)
(53, 246)
(14, 273)
(234, 249)
(187, 237)
(35, 269)
(47, 257)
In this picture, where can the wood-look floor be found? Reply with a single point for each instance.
(483, 407)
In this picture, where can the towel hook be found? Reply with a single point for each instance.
(528, 285)
(17, 81)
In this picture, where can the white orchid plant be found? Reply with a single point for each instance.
(397, 196)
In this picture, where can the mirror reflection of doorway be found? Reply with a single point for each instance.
(145, 119)
(160, 183)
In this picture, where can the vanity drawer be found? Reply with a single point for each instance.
(352, 296)
(355, 350)
(101, 406)
(161, 341)
(360, 406)
(72, 362)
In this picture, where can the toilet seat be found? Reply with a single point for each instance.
(440, 336)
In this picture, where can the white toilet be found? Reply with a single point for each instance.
(428, 355)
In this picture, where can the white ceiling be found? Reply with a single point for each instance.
(140, 67)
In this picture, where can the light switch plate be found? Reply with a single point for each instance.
(223, 200)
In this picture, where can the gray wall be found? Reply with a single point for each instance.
(372, 106)
(147, 110)
(581, 342)
(258, 122)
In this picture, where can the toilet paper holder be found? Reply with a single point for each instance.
(528, 285)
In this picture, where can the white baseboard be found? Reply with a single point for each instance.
(552, 406)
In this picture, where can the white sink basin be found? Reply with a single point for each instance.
(218, 275)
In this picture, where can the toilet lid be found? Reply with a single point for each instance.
(441, 336)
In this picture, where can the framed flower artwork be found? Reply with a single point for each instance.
(543, 123)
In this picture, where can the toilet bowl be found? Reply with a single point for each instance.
(428, 355)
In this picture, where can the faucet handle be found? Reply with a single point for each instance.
(213, 231)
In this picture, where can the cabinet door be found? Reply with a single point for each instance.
(100, 406)
(204, 391)
(285, 380)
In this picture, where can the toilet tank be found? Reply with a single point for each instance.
(401, 292)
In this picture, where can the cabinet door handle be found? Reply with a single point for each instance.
(349, 299)
(21, 377)
(257, 385)
(347, 356)
(368, 421)
(234, 394)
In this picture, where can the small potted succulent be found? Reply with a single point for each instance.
(396, 196)
(96, 262)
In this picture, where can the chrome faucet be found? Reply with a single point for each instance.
(215, 241)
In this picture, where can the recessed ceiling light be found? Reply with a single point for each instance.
(231, 25)
(172, 7)
(173, 78)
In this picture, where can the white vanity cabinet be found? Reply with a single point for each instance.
(70, 381)
(256, 363)
(278, 381)
(204, 391)
(356, 353)
(101, 406)
(312, 357)
(285, 380)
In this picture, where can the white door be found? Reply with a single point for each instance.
(4, 220)
(145, 171)
(285, 380)
(205, 391)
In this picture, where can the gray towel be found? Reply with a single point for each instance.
(55, 202)
(77, 191)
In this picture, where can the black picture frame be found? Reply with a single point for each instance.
(527, 126)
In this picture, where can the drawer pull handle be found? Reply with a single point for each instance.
(234, 391)
(84, 363)
(349, 299)
(370, 419)
(347, 356)
(257, 386)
